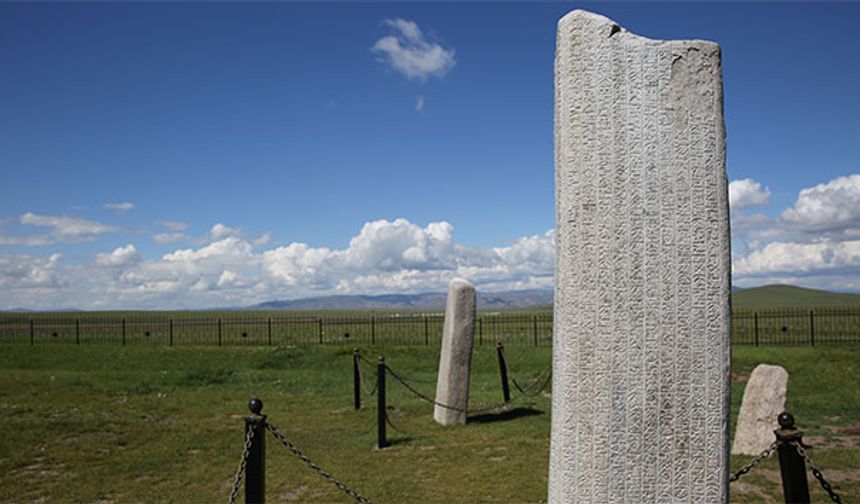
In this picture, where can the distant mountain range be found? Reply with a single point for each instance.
(428, 300)
(768, 296)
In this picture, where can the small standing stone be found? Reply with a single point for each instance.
(764, 399)
(455, 360)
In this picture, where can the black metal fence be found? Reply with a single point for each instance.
(770, 327)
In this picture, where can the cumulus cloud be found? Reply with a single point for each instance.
(220, 231)
(24, 271)
(815, 242)
(121, 257)
(790, 257)
(383, 257)
(747, 193)
(832, 206)
(400, 256)
(120, 208)
(408, 52)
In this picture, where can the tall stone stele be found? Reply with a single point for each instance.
(455, 360)
(641, 348)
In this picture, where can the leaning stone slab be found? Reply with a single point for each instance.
(764, 400)
(455, 360)
(641, 343)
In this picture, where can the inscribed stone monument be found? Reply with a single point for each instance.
(764, 400)
(641, 343)
(455, 360)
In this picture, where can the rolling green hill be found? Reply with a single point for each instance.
(788, 296)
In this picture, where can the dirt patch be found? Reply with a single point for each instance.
(740, 378)
(841, 437)
(293, 495)
(751, 489)
(851, 430)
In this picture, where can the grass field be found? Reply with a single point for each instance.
(157, 424)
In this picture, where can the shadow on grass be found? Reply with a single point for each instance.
(504, 416)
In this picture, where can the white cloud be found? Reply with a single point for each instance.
(408, 52)
(121, 257)
(25, 271)
(164, 238)
(263, 239)
(63, 228)
(173, 225)
(747, 193)
(230, 247)
(27, 241)
(120, 208)
(383, 257)
(798, 258)
(832, 206)
(419, 104)
(220, 231)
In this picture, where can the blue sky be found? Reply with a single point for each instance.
(181, 155)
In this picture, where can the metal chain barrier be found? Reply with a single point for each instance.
(752, 463)
(478, 409)
(817, 473)
(367, 390)
(313, 465)
(543, 378)
(237, 481)
(418, 394)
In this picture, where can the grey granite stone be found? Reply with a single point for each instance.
(641, 343)
(455, 360)
(764, 400)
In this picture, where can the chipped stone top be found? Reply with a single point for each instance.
(579, 19)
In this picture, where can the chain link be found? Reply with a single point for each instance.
(313, 465)
(477, 409)
(367, 390)
(419, 394)
(237, 481)
(817, 473)
(752, 463)
(529, 390)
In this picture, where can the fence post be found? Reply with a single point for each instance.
(219, 331)
(269, 328)
(755, 319)
(381, 441)
(356, 379)
(426, 332)
(255, 470)
(480, 331)
(321, 330)
(77, 331)
(503, 371)
(811, 328)
(123, 331)
(32, 334)
(791, 464)
(534, 329)
(372, 330)
(170, 332)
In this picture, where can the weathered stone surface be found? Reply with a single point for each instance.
(641, 349)
(455, 360)
(764, 399)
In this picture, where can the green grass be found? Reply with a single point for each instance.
(156, 424)
(789, 296)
